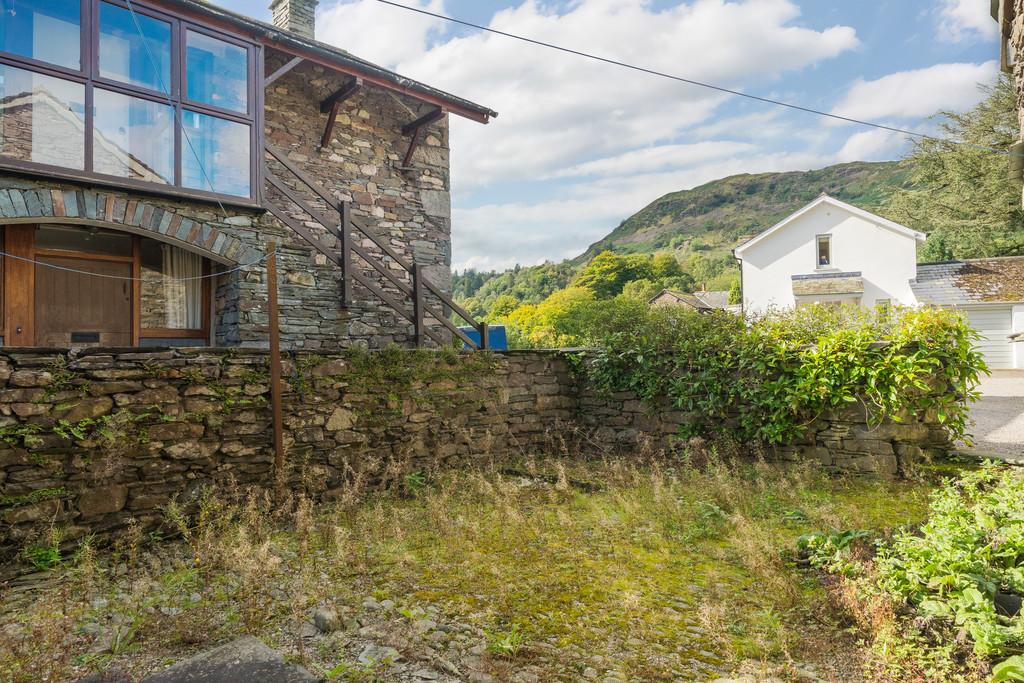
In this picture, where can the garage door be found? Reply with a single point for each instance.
(993, 322)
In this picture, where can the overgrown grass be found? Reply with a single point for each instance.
(653, 571)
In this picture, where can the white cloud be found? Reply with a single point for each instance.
(961, 20)
(871, 145)
(649, 159)
(558, 110)
(379, 33)
(916, 93)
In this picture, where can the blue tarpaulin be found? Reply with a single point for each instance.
(495, 335)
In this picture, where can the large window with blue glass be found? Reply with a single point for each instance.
(117, 90)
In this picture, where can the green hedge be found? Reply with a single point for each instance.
(777, 373)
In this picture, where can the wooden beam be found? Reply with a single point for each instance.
(415, 128)
(333, 104)
(289, 65)
(425, 120)
(343, 93)
(412, 148)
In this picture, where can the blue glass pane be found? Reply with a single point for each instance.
(135, 48)
(42, 118)
(217, 73)
(47, 30)
(214, 154)
(134, 138)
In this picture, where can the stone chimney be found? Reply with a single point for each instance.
(297, 16)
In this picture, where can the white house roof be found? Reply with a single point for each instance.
(832, 201)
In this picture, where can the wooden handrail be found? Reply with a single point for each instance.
(417, 291)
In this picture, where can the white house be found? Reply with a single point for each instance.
(833, 252)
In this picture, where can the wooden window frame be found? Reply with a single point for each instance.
(88, 76)
(135, 259)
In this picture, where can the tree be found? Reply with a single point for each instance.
(665, 265)
(607, 273)
(641, 290)
(546, 324)
(962, 196)
(683, 282)
(735, 293)
(502, 306)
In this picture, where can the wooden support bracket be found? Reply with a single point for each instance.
(415, 128)
(332, 105)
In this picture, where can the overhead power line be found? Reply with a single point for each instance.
(690, 81)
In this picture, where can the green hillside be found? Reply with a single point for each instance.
(698, 226)
(715, 217)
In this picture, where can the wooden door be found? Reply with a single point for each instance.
(18, 285)
(78, 309)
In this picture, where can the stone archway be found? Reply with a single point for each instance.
(119, 212)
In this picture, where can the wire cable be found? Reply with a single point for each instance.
(690, 81)
(136, 279)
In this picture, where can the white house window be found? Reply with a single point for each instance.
(824, 251)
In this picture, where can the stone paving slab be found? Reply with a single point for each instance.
(245, 660)
(998, 418)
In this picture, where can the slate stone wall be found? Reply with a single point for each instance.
(409, 207)
(89, 440)
(1016, 54)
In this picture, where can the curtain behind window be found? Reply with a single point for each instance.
(184, 297)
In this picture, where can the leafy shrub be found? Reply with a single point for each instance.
(971, 547)
(769, 378)
(944, 577)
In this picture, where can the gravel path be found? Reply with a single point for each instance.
(998, 417)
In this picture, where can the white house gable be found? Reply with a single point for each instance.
(829, 251)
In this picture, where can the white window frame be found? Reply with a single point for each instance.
(817, 251)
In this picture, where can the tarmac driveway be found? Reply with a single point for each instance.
(998, 417)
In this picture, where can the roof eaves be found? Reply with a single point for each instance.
(295, 44)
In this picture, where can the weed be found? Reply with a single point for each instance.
(42, 556)
(506, 642)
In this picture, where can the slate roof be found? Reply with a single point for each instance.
(702, 301)
(971, 281)
(715, 299)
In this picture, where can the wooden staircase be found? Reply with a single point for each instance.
(413, 287)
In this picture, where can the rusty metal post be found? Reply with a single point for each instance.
(275, 370)
(346, 254)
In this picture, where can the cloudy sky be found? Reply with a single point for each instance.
(579, 146)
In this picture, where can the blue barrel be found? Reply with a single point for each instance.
(495, 335)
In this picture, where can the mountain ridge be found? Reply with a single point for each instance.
(719, 213)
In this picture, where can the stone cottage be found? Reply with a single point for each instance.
(150, 150)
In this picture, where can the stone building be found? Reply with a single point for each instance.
(151, 151)
(1009, 14)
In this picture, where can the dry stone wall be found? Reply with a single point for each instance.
(93, 439)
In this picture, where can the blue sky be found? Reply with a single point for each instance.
(580, 146)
